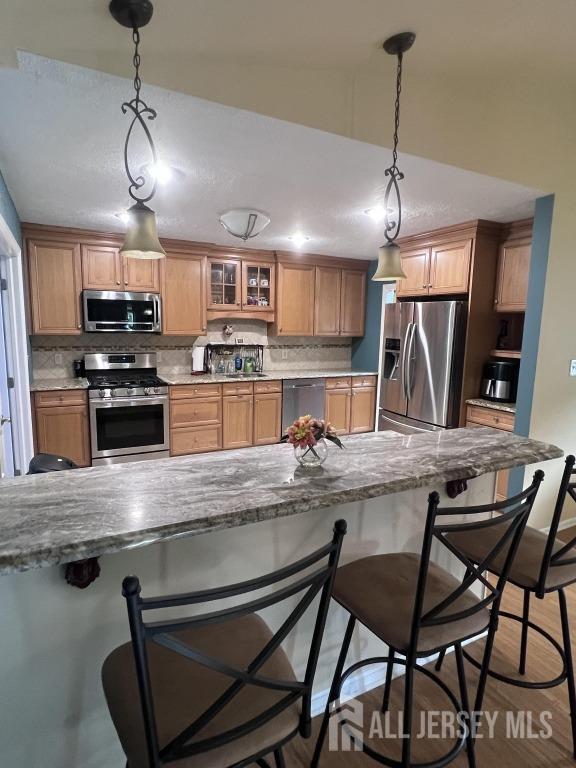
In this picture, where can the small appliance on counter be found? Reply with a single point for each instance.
(500, 381)
(198, 361)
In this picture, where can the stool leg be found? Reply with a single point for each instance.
(485, 664)
(440, 660)
(333, 691)
(407, 716)
(279, 757)
(388, 683)
(465, 703)
(569, 664)
(524, 639)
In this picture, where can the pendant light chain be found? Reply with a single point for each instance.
(392, 225)
(136, 62)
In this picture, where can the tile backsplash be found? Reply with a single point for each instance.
(53, 356)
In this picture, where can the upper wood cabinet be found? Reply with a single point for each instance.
(55, 278)
(450, 268)
(183, 295)
(352, 302)
(440, 270)
(295, 299)
(513, 273)
(224, 284)
(416, 266)
(328, 283)
(258, 286)
(105, 269)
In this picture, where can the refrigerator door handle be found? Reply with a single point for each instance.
(404, 359)
(408, 360)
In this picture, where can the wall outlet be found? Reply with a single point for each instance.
(158, 356)
(58, 358)
(284, 354)
(572, 367)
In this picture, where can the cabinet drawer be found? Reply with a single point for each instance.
(264, 387)
(195, 412)
(342, 382)
(238, 388)
(195, 440)
(490, 417)
(60, 397)
(183, 391)
(363, 381)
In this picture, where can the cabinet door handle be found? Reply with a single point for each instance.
(117, 282)
(495, 301)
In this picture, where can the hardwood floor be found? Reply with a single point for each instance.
(499, 752)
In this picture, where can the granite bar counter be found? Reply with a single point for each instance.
(61, 517)
(255, 512)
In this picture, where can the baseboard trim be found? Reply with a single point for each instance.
(570, 522)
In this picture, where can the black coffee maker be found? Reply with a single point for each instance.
(500, 381)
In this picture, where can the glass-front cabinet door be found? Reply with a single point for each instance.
(258, 287)
(223, 284)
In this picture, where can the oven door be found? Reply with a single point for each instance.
(120, 311)
(128, 426)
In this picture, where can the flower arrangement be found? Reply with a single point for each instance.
(306, 433)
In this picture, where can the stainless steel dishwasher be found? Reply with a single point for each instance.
(301, 397)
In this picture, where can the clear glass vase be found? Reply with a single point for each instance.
(312, 456)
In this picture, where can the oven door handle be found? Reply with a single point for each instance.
(129, 402)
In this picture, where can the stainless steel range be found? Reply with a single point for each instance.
(128, 406)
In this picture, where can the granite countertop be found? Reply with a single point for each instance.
(481, 403)
(45, 385)
(221, 378)
(66, 516)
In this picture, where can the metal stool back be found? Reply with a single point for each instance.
(311, 576)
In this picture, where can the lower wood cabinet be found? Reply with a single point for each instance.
(195, 440)
(351, 404)
(61, 420)
(267, 417)
(237, 421)
(195, 418)
(484, 416)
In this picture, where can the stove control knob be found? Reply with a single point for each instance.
(157, 390)
(129, 390)
(112, 393)
(146, 390)
(102, 392)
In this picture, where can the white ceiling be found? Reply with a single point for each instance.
(61, 140)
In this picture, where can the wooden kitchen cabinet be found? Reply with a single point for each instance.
(63, 429)
(352, 302)
(183, 295)
(484, 416)
(195, 440)
(513, 272)
(416, 266)
(195, 418)
(258, 286)
(55, 281)
(267, 418)
(224, 284)
(338, 409)
(237, 421)
(105, 269)
(450, 268)
(327, 288)
(362, 409)
(295, 299)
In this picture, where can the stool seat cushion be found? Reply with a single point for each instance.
(380, 591)
(184, 689)
(525, 570)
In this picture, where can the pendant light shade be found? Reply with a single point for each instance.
(389, 264)
(141, 241)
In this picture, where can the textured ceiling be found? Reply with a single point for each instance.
(61, 139)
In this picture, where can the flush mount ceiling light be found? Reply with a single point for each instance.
(244, 222)
(389, 261)
(298, 239)
(141, 241)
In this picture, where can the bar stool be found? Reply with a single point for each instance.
(542, 565)
(216, 689)
(418, 609)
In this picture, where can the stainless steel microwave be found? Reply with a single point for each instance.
(115, 311)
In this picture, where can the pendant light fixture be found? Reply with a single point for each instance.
(389, 260)
(141, 240)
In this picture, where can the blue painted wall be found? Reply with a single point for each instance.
(537, 279)
(8, 210)
(365, 351)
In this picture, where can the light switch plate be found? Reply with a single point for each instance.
(572, 367)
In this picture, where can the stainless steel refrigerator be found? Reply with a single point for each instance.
(422, 362)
